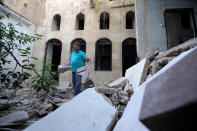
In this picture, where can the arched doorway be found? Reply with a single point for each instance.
(129, 54)
(53, 52)
(82, 44)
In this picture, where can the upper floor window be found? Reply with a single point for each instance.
(56, 22)
(104, 20)
(130, 20)
(79, 25)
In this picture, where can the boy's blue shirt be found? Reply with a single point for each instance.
(77, 60)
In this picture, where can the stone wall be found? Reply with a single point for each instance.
(68, 11)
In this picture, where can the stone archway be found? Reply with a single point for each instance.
(53, 52)
(82, 44)
(129, 54)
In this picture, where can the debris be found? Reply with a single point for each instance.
(153, 54)
(173, 105)
(129, 88)
(105, 90)
(138, 73)
(19, 116)
(123, 93)
(45, 109)
(130, 118)
(3, 125)
(123, 101)
(165, 57)
(63, 102)
(64, 84)
(88, 105)
(121, 82)
(54, 99)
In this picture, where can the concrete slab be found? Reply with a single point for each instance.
(88, 111)
(105, 90)
(137, 73)
(170, 100)
(19, 116)
(121, 82)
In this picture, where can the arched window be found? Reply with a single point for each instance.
(103, 55)
(82, 44)
(56, 22)
(130, 20)
(80, 19)
(53, 52)
(104, 20)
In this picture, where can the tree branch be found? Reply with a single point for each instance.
(19, 62)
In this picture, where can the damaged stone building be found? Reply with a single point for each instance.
(105, 29)
(157, 93)
(164, 24)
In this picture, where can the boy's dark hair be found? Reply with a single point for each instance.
(77, 43)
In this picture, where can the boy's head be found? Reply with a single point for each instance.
(76, 46)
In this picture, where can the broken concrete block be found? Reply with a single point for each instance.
(19, 116)
(64, 84)
(105, 90)
(124, 97)
(153, 54)
(123, 101)
(179, 49)
(54, 99)
(170, 100)
(44, 109)
(137, 73)
(129, 88)
(121, 82)
(123, 93)
(88, 111)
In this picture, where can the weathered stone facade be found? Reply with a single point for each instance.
(42, 15)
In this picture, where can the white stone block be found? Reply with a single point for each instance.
(88, 111)
(118, 83)
(137, 73)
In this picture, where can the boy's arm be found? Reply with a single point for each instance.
(86, 60)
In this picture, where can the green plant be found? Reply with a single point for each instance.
(46, 80)
(12, 41)
(98, 4)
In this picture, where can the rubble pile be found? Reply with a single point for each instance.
(88, 111)
(159, 59)
(20, 108)
(167, 100)
(117, 93)
(105, 104)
